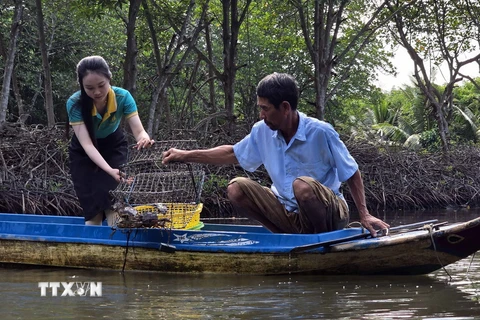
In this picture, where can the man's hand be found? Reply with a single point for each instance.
(357, 190)
(373, 224)
(173, 155)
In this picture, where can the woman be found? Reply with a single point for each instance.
(99, 147)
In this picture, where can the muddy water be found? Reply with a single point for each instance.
(452, 293)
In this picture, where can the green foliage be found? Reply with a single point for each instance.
(430, 141)
(97, 9)
(71, 36)
(214, 183)
(402, 116)
(55, 186)
(465, 125)
(361, 62)
(270, 40)
(465, 122)
(468, 96)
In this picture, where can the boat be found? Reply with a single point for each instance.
(65, 241)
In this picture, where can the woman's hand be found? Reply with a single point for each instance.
(144, 143)
(142, 137)
(117, 175)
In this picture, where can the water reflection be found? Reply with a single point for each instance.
(406, 217)
(157, 296)
(447, 294)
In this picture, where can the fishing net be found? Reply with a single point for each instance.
(157, 195)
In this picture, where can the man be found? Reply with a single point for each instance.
(305, 159)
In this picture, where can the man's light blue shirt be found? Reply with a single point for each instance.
(315, 151)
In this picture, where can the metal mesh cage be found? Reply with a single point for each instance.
(149, 160)
(145, 188)
(149, 181)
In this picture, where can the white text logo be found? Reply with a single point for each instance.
(71, 289)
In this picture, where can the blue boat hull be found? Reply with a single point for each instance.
(66, 242)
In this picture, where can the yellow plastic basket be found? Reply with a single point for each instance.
(182, 215)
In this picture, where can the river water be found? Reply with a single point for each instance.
(451, 293)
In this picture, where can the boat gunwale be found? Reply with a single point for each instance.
(361, 244)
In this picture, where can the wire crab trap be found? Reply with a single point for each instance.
(173, 186)
(157, 195)
(150, 159)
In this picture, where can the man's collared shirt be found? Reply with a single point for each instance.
(315, 151)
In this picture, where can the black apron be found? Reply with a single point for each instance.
(93, 185)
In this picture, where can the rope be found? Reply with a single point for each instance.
(129, 232)
(354, 224)
(471, 261)
(430, 231)
(197, 195)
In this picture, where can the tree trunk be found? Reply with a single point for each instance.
(228, 60)
(321, 43)
(321, 85)
(163, 105)
(130, 65)
(152, 116)
(435, 99)
(7, 75)
(211, 71)
(160, 86)
(181, 44)
(15, 87)
(47, 78)
(322, 39)
(191, 93)
(231, 23)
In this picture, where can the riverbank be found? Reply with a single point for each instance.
(34, 174)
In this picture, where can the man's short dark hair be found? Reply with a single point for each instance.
(279, 87)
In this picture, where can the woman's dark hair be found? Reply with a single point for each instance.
(90, 64)
(279, 87)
